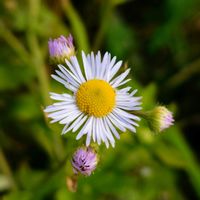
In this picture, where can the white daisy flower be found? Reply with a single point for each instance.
(97, 106)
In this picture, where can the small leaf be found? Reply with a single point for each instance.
(170, 156)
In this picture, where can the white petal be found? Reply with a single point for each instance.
(64, 129)
(98, 64)
(54, 120)
(84, 129)
(124, 119)
(73, 72)
(68, 78)
(101, 130)
(77, 68)
(76, 121)
(103, 65)
(58, 113)
(89, 134)
(115, 69)
(88, 138)
(108, 133)
(124, 123)
(94, 130)
(89, 59)
(70, 117)
(116, 123)
(59, 97)
(65, 83)
(128, 108)
(66, 109)
(109, 67)
(54, 108)
(120, 78)
(101, 135)
(114, 131)
(69, 74)
(93, 68)
(98, 132)
(124, 90)
(122, 83)
(62, 116)
(133, 92)
(80, 123)
(87, 67)
(128, 102)
(60, 80)
(66, 102)
(126, 114)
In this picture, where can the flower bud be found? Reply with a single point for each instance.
(60, 49)
(159, 119)
(84, 161)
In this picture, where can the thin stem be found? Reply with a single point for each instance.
(6, 169)
(106, 12)
(184, 74)
(78, 27)
(142, 114)
(37, 60)
(192, 169)
(14, 43)
(38, 63)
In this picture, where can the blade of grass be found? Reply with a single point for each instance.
(78, 27)
(39, 64)
(193, 170)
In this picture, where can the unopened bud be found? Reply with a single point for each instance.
(60, 49)
(159, 119)
(84, 161)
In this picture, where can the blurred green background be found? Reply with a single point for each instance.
(159, 39)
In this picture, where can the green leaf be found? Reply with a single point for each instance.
(123, 40)
(170, 156)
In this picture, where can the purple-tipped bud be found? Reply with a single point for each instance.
(160, 118)
(84, 161)
(60, 49)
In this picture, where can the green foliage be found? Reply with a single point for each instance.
(123, 37)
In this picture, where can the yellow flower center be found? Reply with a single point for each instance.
(96, 98)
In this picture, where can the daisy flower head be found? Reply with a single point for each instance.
(99, 104)
(60, 49)
(84, 161)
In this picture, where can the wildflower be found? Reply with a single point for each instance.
(160, 118)
(60, 49)
(84, 161)
(97, 106)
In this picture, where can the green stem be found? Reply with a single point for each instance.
(6, 169)
(106, 12)
(14, 43)
(38, 63)
(192, 169)
(78, 27)
(186, 73)
(37, 59)
(142, 114)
